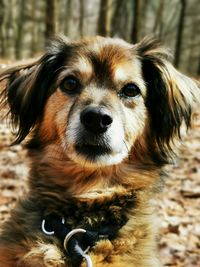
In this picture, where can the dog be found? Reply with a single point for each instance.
(101, 117)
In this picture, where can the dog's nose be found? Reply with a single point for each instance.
(96, 120)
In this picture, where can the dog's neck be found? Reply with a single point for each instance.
(93, 209)
(54, 173)
(90, 197)
(67, 176)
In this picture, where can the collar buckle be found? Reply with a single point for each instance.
(67, 238)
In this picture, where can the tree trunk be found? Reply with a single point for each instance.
(115, 22)
(180, 34)
(135, 26)
(20, 27)
(198, 69)
(158, 20)
(144, 14)
(102, 20)
(9, 39)
(33, 29)
(2, 41)
(68, 16)
(81, 19)
(50, 19)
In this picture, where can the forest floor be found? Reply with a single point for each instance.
(178, 204)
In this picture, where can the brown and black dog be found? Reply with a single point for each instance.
(101, 117)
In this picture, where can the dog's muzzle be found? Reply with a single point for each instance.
(92, 141)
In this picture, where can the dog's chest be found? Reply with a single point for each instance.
(95, 212)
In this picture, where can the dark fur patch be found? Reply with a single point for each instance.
(102, 70)
(27, 93)
(166, 117)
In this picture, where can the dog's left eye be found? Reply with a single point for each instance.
(130, 90)
(70, 85)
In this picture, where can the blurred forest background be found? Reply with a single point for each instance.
(26, 25)
(25, 28)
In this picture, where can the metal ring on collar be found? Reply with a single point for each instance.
(49, 232)
(70, 234)
(84, 255)
(88, 260)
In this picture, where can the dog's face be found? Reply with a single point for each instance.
(102, 101)
(98, 106)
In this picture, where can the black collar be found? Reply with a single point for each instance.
(55, 225)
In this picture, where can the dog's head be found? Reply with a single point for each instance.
(102, 101)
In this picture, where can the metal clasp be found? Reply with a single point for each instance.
(77, 247)
(49, 232)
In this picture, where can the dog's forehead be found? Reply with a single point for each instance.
(107, 57)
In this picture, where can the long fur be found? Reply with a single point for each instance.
(107, 189)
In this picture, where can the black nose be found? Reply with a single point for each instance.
(96, 120)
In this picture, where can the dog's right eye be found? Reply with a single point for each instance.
(130, 90)
(70, 85)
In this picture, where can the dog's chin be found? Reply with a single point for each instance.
(95, 156)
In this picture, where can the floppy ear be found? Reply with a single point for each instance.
(29, 85)
(171, 96)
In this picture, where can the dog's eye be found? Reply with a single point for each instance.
(70, 85)
(130, 90)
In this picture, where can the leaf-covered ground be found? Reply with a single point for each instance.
(178, 204)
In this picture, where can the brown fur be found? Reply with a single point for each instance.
(88, 192)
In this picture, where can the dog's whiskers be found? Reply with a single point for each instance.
(128, 152)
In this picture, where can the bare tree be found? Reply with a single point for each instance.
(2, 41)
(121, 19)
(9, 44)
(180, 33)
(135, 26)
(68, 16)
(33, 28)
(144, 10)
(158, 24)
(20, 27)
(26, 25)
(102, 20)
(198, 69)
(81, 19)
(115, 21)
(50, 18)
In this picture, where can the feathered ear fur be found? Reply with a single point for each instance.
(170, 98)
(29, 85)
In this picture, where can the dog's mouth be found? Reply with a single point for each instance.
(92, 151)
(96, 151)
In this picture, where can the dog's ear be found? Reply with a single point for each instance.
(171, 97)
(29, 85)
